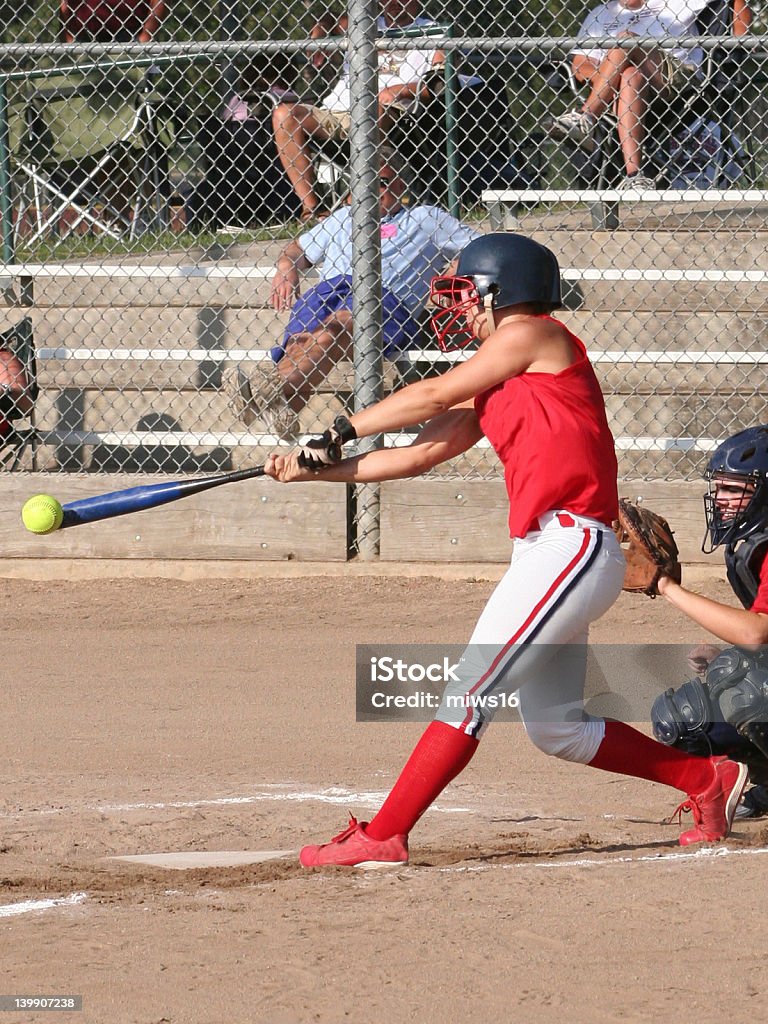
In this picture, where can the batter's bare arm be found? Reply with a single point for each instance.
(513, 349)
(443, 438)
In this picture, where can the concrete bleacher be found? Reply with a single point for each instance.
(119, 342)
(605, 204)
(674, 322)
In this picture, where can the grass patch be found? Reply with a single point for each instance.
(100, 246)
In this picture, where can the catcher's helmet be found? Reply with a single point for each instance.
(742, 458)
(499, 269)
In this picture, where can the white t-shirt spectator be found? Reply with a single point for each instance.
(395, 68)
(655, 19)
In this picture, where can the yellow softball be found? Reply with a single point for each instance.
(42, 514)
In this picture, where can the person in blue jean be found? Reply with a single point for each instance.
(417, 243)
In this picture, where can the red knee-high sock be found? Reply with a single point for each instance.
(626, 751)
(438, 757)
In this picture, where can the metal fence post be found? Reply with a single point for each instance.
(451, 151)
(366, 248)
(5, 174)
(229, 29)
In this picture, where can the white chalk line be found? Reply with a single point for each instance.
(705, 853)
(30, 906)
(268, 793)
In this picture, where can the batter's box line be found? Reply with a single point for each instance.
(706, 853)
(32, 906)
(333, 795)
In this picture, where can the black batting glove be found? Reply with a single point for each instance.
(325, 450)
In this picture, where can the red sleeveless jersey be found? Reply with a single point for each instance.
(551, 433)
(760, 604)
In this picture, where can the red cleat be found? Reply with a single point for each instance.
(352, 848)
(713, 810)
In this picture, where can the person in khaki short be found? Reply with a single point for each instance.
(625, 80)
(295, 124)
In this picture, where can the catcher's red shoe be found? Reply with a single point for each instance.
(713, 810)
(352, 848)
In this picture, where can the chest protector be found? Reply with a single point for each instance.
(743, 564)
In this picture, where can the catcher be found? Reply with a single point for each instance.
(724, 710)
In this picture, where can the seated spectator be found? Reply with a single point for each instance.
(15, 400)
(242, 182)
(108, 21)
(268, 76)
(626, 80)
(416, 244)
(399, 74)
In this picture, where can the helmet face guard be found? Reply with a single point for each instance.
(740, 468)
(454, 296)
(731, 520)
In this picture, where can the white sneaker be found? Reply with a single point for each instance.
(576, 126)
(237, 387)
(638, 182)
(261, 397)
(280, 420)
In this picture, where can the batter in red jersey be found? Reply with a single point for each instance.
(531, 389)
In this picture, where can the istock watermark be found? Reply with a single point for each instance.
(405, 682)
(388, 669)
(413, 682)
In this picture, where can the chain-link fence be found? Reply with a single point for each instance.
(180, 256)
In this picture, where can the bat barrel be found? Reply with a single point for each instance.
(136, 499)
(118, 503)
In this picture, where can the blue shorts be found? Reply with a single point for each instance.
(324, 299)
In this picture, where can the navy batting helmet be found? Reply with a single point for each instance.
(743, 461)
(496, 270)
(512, 268)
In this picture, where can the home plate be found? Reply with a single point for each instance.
(214, 859)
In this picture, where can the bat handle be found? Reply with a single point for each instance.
(245, 474)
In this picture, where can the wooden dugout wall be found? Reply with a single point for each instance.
(422, 521)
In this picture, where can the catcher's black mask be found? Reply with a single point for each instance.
(740, 466)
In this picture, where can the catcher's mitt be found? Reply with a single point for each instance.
(649, 548)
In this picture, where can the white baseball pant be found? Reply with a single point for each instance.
(532, 637)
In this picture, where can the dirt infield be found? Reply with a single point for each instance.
(152, 715)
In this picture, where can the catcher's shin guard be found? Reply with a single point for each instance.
(738, 685)
(757, 734)
(682, 718)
